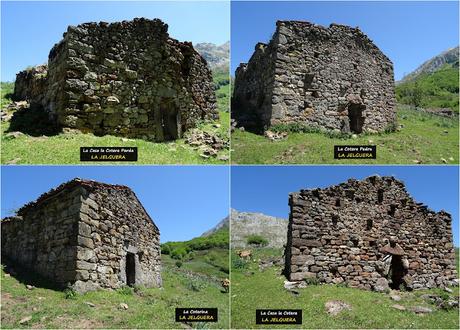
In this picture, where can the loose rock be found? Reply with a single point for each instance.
(334, 307)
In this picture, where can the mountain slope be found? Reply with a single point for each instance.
(216, 56)
(437, 89)
(207, 255)
(245, 224)
(449, 56)
(223, 224)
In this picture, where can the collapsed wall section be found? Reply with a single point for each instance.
(369, 234)
(126, 78)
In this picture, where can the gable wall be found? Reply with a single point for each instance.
(329, 236)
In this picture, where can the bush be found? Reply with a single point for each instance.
(239, 263)
(195, 284)
(70, 293)
(178, 253)
(178, 264)
(165, 249)
(257, 240)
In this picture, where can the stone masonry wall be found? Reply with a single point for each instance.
(113, 224)
(252, 95)
(43, 238)
(126, 78)
(330, 78)
(85, 233)
(370, 234)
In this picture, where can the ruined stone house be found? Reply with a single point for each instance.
(85, 234)
(126, 78)
(370, 234)
(331, 78)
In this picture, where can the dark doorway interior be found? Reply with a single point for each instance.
(169, 113)
(397, 272)
(355, 117)
(130, 269)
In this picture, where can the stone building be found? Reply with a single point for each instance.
(127, 78)
(86, 234)
(325, 78)
(370, 234)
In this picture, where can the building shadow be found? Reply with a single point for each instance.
(33, 121)
(28, 277)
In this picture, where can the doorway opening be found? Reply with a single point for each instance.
(355, 117)
(130, 269)
(396, 273)
(168, 119)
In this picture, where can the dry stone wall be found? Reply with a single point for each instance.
(331, 78)
(88, 235)
(127, 78)
(43, 238)
(252, 95)
(369, 234)
(115, 230)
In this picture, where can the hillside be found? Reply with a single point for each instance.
(438, 89)
(421, 138)
(259, 284)
(223, 224)
(245, 224)
(449, 56)
(205, 254)
(192, 272)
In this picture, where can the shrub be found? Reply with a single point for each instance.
(70, 293)
(195, 284)
(239, 263)
(165, 249)
(257, 240)
(178, 264)
(178, 253)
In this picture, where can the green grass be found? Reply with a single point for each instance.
(254, 289)
(65, 148)
(7, 89)
(423, 138)
(457, 258)
(432, 90)
(203, 252)
(149, 308)
(213, 262)
(222, 83)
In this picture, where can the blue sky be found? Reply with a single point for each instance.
(183, 201)
(409, 33)
(30, 29)
(266, 189)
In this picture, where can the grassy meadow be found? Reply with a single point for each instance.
(193, 280)
(423, 139)
(64, 148)
(253, 288)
